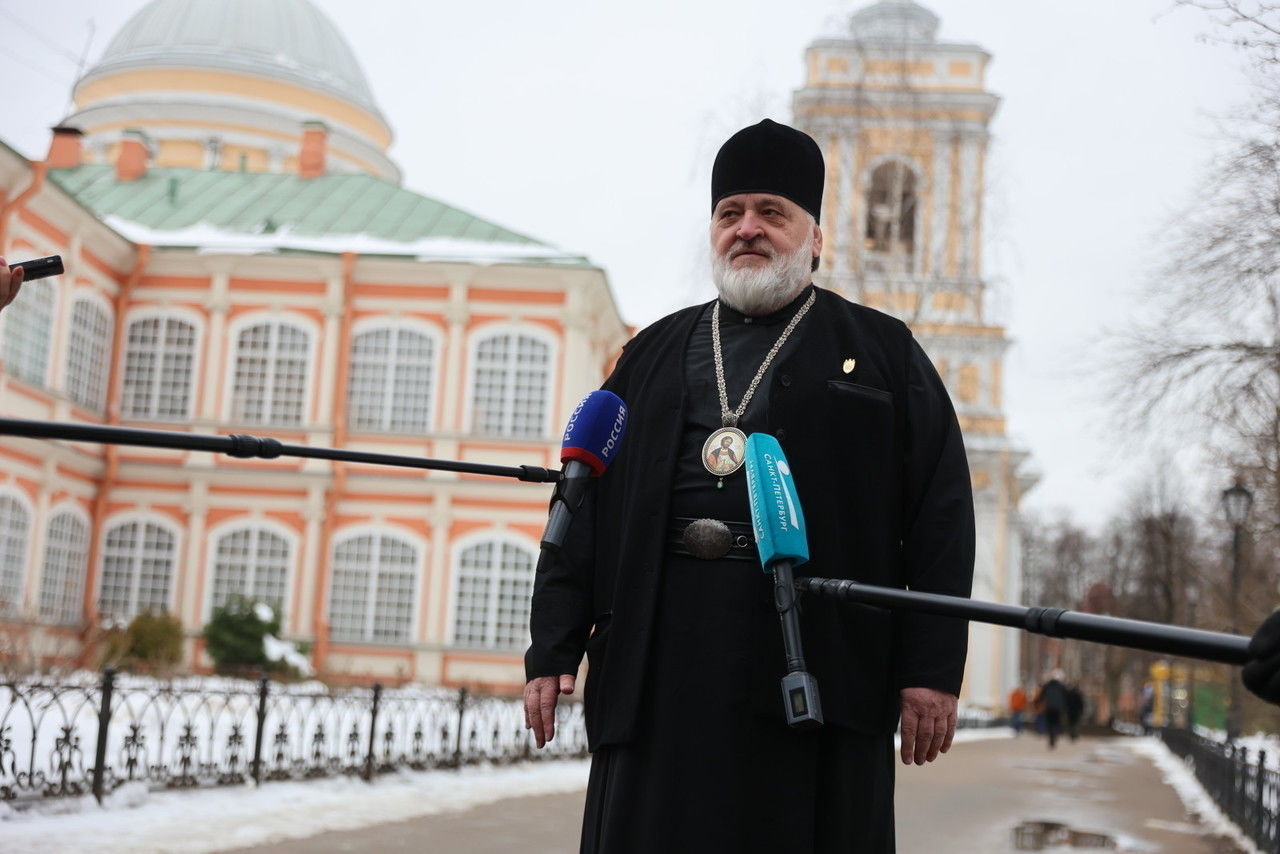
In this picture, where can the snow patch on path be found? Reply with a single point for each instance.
(207, 820)
(1194, 797)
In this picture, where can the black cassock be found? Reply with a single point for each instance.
(683, 705)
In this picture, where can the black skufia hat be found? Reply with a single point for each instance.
(770, 158)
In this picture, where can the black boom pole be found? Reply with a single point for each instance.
(1054, 622)
(262, 447)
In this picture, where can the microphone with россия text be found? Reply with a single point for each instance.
(590, 444)
(778, 522)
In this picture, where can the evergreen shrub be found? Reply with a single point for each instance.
(233, 638)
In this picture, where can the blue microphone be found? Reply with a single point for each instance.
(590, 444)
(778, 521)
(594, 431)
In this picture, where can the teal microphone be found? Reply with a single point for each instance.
(778, 521)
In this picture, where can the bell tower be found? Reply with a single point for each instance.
(903, 120)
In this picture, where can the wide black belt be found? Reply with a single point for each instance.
(712, 539)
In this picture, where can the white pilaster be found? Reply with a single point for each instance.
(939, 228)
(216, 346)
(455, 368)
(435, 586)
(308, 565)
(39, 532)
(844, 230)
(969, 192)
(330, 347)
(580, 375)
(191, 571)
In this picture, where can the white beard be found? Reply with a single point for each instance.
(763, 290)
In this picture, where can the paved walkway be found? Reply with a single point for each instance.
(968, 803)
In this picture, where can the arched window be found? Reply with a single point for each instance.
(28, 327)
(88, 350)
(66, 550)
(495, 582)
(891, 211)
(390, 385)
(158, 368)
(270, 385)
(252, 563)
(15, 523)
(371, 598)
(512, 381)
(137, 570)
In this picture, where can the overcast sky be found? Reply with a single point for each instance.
(592, 126)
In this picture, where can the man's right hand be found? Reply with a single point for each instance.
(540, 697)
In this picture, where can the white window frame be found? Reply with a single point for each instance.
(16, 607)
(498, 537)
(18, 308)
(419, 565)
(234, 330)
(271, 526)
(93, 395)
(433, 333)
(75, 511)
(197, 352)
(483, 333)
(135, 580)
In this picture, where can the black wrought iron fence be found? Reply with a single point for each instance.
(94, 735)
(1245, 789)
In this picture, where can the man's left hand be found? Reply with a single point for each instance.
(928, 724)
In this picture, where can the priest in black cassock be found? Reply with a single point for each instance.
(659, 583)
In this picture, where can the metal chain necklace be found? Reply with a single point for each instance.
(724, 451)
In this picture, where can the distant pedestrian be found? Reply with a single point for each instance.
(1017, 708)
(1147, 711)
(1075, 711)
(1053, 697)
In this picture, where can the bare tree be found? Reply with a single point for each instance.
(1253, 25)
(1150, 562)
(1206, 356)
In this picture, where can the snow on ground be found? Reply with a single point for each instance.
(135, 820)
(139, 822)
(1260, 741)
(1196, 800)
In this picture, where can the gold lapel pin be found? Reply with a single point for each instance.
(848, 365)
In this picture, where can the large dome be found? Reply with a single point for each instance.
(232, 85)
(894, 20)
(290, 40)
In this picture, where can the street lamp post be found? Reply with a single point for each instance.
(1236, 502)
(1193, 594)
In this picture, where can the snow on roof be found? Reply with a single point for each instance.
(210, 239)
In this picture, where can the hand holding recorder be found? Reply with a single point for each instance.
(13, 275)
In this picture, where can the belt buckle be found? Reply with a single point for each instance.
(708, 539)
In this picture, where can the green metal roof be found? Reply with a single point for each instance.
(263, 204)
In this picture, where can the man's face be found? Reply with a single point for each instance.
(752, 230)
